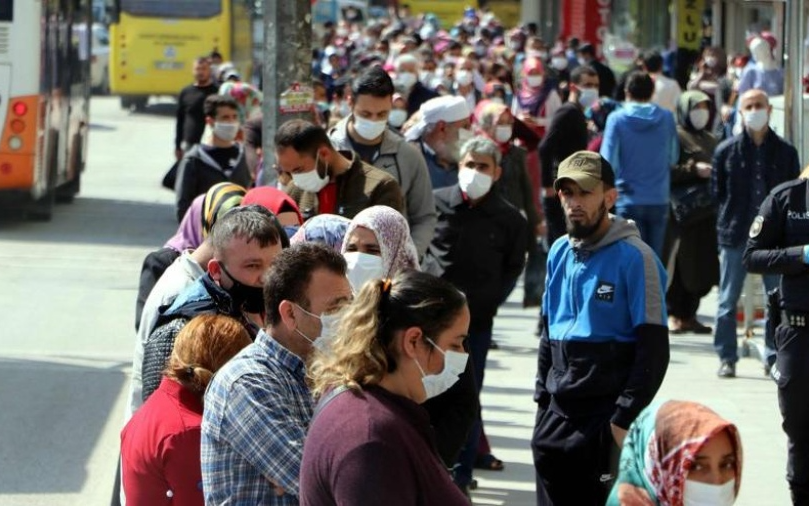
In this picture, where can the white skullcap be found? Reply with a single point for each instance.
(448, 108)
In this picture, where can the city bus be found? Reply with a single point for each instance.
(153, 43)
(44, 101)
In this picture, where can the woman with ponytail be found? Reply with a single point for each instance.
(160, 446)
(399, 343)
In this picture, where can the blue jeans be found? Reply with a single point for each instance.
(731, 282)
(479, 341)
(651, 221)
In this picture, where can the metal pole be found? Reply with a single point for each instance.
(793, 86)
(287, 60)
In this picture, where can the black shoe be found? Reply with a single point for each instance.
(727, 370)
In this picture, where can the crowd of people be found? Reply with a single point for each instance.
(324, 340)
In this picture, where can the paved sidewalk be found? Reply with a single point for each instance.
(750, 401)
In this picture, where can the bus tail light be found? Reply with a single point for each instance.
(20, 131)
(5, 169)
(15, 143)
(17, 126)
(20, 108)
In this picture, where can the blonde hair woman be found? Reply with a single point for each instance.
(399, 344)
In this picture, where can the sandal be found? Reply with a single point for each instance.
(489, 463)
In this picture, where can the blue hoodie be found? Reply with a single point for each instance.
(640, 142)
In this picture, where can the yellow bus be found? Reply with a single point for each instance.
(153, 43)
(44, 101)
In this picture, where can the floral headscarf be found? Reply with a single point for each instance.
(662, 445)
(329, 229)
(393, 234)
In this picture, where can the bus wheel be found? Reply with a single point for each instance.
(66, 192)
(140, 103)
(41, 209)
(126, 103)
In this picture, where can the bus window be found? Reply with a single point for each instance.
(7, 11)
(172, 9)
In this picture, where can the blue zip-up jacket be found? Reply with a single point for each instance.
(734, 168)
(640, 142)
(604, 349)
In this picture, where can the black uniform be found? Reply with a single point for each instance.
(778, 238)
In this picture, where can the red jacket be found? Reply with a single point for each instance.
(160, 462)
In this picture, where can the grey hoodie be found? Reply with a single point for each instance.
(405, 163)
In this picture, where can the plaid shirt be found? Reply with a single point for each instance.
(257, 412)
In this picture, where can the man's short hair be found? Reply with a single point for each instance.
(480, 145)
(374, 82)
(291, 274)
(251, 223)
(587, 49)
(213, 103)
(653, 61)
(581, 71)
(303, 136)
(640, 86)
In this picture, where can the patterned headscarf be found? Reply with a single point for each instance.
(221, 198)
(329, 229)
(189, 233)
(662, 445)
(393, 234)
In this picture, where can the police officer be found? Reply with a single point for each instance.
(779, 244)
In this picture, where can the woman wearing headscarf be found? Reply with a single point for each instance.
(400, 343)
(329, 229)
(537, 100)
(160, 446)
(279, 203)
(679, 453)
(378, 245)
(690, 254)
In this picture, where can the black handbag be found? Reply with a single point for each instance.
(171, 177)
(692, 204)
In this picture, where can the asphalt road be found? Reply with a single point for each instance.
(68, 302)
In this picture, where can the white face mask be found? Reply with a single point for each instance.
(559, 62)
(311, 181)
(534, 81)
(756, 120)
(704, 494)
(464, 134)
(454, 365)
(329, 323)
(588, 96)
(502, 133)
(426, 77)
(698, 118)
(473, 183)
(406, 79)
(362, 268)
(226, 131)
(463, 77)
(368, 129)
(344, 110)
(397, 117)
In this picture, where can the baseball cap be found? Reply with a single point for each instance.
(586, 169)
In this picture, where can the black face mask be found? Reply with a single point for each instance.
(249, 298)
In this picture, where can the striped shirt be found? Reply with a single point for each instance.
(257, 412)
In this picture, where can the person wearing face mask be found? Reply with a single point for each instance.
(205, 165)
(378, 245)
(679, 453)
(746, 168)
(398, 114)
(566, 134)
(764, 73)
(537, 100)
(480, 245)
(414, 91)
(606, 77)
(442, 125)
(464, 85)
(366, 133)
(690, 247)
(258, 407)
(399, 344)
(245, 242)
(328, 181)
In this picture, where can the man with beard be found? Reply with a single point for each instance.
(245, 242)
(441, 130)
(604, 348)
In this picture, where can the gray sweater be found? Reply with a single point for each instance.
(405, 163)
